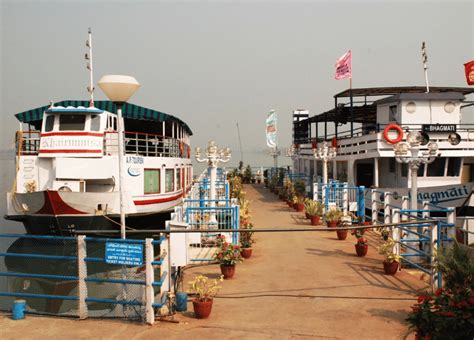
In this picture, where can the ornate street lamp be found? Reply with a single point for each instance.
(325, 153)
(414, 160)
(213, 155)
(119, 89)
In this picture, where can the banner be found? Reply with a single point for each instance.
(271, 129)
(469, 69)
(344, 66)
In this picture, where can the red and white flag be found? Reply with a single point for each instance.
(344, 66)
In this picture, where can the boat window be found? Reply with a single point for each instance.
(392, 113)
(152, 181)
(49, 124)
(72, 122)
(178, 179)
(391, 165)
(114, 119)
(454, 166)
(169, 180)
(95, 123)
(421, 170)
(436, 169)
(404, 170)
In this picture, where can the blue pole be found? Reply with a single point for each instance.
(361, 202)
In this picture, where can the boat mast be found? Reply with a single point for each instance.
(424, 58)
(90, 88)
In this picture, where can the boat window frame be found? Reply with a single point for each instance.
(92, 121)
(177, 175)
(431, 165)
(166, 179)
(144, 181)
(47, 119)
(61, 126)
(460, 164)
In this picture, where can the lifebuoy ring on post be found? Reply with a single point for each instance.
(395, 127)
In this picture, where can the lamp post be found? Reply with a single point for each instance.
(293, 153)
(119, 89)
(213, 155)
(414, 160)
(325, 154)
(275, 152)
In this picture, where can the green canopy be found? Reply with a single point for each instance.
(129, 111)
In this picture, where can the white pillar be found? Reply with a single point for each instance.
(325, 171)
(376, 172)
(396, 233)
(374, 206)
(121, 170)
(334, 169)
(149, 279)
(82, 275)
(345, 199)
(386, 207)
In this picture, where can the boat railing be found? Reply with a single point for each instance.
(27, 143)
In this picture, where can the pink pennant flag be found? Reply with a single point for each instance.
(344, 66)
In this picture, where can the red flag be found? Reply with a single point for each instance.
(469, 68)
(344, 66)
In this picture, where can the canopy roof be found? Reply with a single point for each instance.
(129, 111)
(387, 91)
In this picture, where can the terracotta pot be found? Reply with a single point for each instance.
(390, 268)
(332, 224)
(361, 249)
(299, 207)
(295, 206)
(202, 309)
(246, 252)
(315, 220)
(341, 234)
(228, 271)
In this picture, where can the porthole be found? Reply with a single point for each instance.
(411, 107)
(449, 107)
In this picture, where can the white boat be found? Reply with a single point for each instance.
(373, 120)
(67, 167)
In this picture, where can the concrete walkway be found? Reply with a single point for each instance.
(305, 284)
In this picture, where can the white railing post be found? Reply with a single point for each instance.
(405, 203)
(315, 191)
(374, 205)
(396, 233)
(433, 255)
(345, 199)
(323, 197)
(386, 207)
(82, 275)
(149, 279)
(451, 220)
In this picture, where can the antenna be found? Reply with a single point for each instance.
(424, 58)
(240, 143)
(88, 57)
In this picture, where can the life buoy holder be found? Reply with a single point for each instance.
(389, 128)
(334, 142)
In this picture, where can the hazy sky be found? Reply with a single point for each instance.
(215, 64)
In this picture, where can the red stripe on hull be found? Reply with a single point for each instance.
(54, 205)
(158, 200)
(93, 134)
(70, 151)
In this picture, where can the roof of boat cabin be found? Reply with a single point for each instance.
(386, 91)
(367, 113)
(129, 111)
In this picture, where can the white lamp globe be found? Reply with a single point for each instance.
(118, 88)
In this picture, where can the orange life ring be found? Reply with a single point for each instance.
(395, 127)
(334, 142)
(189, 151)
(181, 149)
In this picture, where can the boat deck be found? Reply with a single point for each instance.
(305, 284)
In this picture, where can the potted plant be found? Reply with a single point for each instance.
(332, 217)
(228, 256)
(246, 241)
(205, 290)
(361, 246)
(315, 210)
(344, 221)
(392, 260)
(299, 203)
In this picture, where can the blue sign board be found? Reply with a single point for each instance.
(124, 253)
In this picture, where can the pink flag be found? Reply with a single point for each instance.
(344, 66)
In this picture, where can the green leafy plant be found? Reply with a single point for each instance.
(449, 312)
(333, 215)
(313, 208)
(359, 235)
(205, 288)
(227, 254)
(386, 249)
(300, 187)
(247, 174)
(246, 237)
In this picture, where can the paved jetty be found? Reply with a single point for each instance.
(298, 284)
